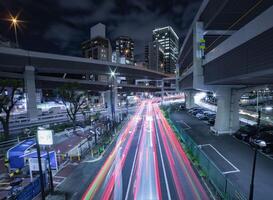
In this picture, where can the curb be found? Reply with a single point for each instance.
(108, 146)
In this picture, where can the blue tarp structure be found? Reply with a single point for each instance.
(14, 154)
(52, 157)
(17, 154)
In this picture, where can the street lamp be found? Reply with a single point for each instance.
(257, 143)
(261, 144)
(112, 76)
(15, 24)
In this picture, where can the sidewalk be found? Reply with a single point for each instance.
(230, 154)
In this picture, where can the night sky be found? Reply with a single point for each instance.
(59, 26)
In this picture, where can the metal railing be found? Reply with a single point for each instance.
(5, 145)
(220, 182)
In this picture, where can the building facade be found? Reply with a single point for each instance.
(169, 40)
(125, 49)
(155, 56)
(98, 47)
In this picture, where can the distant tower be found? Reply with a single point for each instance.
(154, 56)
(98, 46)
(169, 40)
(125, 49)
(98, 30)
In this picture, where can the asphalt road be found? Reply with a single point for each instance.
(145, 162)
(232, 154)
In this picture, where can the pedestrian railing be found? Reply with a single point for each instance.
(5, 145)
(222, 185)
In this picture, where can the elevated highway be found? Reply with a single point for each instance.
(45, 70)
(228, 48)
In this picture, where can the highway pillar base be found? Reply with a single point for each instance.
(30, 89)
(227, 115)
(189, 98)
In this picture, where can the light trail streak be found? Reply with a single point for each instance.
(170, 139)
(97, 182)
(144, 179)
(147, 184)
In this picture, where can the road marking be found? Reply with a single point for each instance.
(162, 162)
(134, 162)
(58, 183)
(182, 122)
(227, 172)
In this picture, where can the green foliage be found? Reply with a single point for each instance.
(74, 99)
(9, 96)
(60, 127)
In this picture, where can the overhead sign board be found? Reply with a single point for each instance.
(45, 137)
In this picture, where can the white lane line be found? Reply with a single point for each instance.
(182, 122)
(227, 172)
(134, 162)
(162, 162)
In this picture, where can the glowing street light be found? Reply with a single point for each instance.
(15, 22)
(112, 74)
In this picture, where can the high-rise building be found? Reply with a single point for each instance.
(146, 54)
(169, 40)
(98, 46)
(125, 49)
(154, 56)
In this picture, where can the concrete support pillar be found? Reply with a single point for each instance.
(227, 115)
(177, 77)
(102, 98)
(30, 89)
(189, 98)
(110, 99)
(198, 36)
(162, 90)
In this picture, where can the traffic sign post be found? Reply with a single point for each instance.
(40, 167)
(45, 137)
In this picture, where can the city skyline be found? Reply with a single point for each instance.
(52, 18)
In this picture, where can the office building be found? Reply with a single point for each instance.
(154, 56)
(98, 46)
(125, 49)
(169, 40)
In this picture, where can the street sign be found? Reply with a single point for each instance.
(34, 165)
(45, 137)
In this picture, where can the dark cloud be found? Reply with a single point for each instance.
(59, 26)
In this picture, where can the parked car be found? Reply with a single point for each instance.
(191, 109)
(211, 120)
(245, 132)
(248, 131)
(267, 137)
(201, 110)
(209, 113)
(201, 116)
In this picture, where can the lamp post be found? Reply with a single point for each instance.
(112, 77)
(15, 24)
(251, 190)
(44, 137)
(40, 168)
(257, 143)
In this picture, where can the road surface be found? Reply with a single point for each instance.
(147, 162)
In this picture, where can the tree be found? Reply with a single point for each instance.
(74, 100)
(9, 96)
